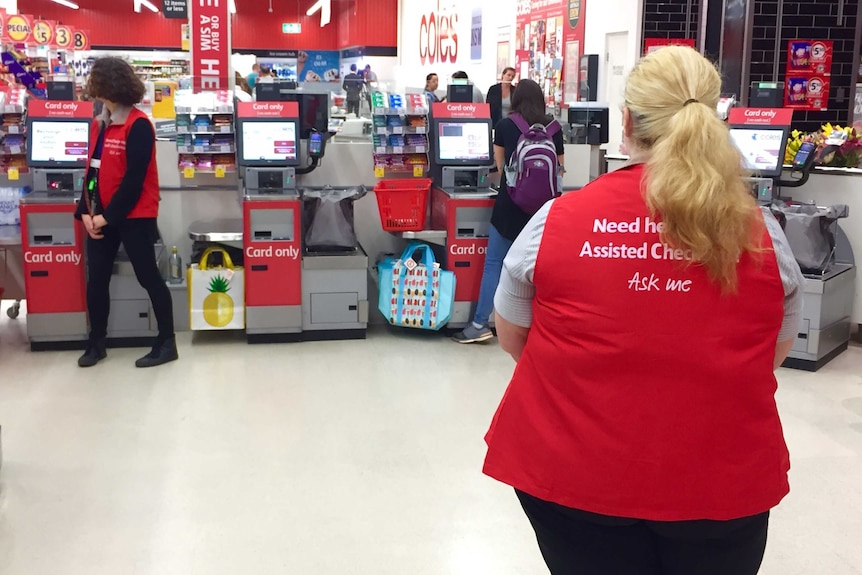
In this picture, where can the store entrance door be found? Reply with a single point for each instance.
(616, 70)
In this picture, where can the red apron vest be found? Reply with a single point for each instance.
(113, 167)
(642, 391)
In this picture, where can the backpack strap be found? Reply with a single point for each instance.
(552, 128)
(520, 122)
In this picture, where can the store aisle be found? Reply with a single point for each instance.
(329, 459)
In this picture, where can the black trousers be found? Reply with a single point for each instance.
(353, 107)
(137, 236)
(575, 542)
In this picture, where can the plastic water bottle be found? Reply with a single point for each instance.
(175, 263)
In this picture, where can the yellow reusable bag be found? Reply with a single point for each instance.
(216, 295)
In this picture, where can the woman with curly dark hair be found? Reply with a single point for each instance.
(120, 205)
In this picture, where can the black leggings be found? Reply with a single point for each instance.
(137, 236)
(575, 542)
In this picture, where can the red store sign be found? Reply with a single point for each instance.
(438, 36)
(210, 43)
(267, 110)
(56, 109)
(448, 110)
(760, 117)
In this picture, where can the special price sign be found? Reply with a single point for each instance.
(804, 92)
(43, 32)
(19, 28)
(65, 36)
(210, 43)
(809, 57)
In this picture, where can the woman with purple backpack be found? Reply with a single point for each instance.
(508, 219)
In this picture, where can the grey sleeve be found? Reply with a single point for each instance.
(791, 278)
(515, 292)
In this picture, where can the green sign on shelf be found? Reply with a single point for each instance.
(291, 28)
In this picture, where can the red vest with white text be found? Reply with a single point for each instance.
(642, 391)
(113, 166)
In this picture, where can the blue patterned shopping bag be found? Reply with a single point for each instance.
(416, 293)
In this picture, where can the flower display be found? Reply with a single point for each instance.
(837, 146)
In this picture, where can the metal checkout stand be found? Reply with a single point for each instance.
(462, 198)
(828, 293)
(53, 241)
(292, 292)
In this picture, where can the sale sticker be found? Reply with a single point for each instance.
(43, 33)
(81, 40)
(220, 171)
(809, 56)
(807, 93)
(19, 28)
(379, 171)
(64, 36)
(189, 172)
(13, 173)
(418, 171)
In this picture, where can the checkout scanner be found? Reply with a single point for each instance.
(462, 198)
(588, 125)
(828, 293)
(291, 294)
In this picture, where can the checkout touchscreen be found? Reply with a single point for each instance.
(59, 143)
(463, 141)
(762, 148)
(269, 142)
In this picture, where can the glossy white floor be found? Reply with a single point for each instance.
(329, 458)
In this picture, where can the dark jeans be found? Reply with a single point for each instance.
(353, 107)
(575, 542)
(137, 236)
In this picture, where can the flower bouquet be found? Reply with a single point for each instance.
(837, 147)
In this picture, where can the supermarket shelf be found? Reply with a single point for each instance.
(205, 130)
(12, 151)
(397, 150)
(224, 109)
(206, 149)
(400, 111)
(6, 130)
(395, 130)
(209, 170)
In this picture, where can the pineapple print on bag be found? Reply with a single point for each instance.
(218, 306)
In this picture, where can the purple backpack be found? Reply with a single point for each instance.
(533, 175)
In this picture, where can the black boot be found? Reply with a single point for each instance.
(94, 354)
(164, 351)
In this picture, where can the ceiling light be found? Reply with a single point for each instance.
(66, 3)
(232, 6)
(146, 4)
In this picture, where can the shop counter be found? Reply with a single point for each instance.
(11, 264)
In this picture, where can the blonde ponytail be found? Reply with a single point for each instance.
(694, 176)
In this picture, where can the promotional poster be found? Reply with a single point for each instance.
(319, 66)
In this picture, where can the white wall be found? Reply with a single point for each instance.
(11, 6)
(411, 72)
(608, 17)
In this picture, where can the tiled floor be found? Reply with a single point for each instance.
(329, 458)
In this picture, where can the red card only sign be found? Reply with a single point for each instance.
(210, 43)
(267, 110)
(461, 110)
(760, 117)
(56, 109)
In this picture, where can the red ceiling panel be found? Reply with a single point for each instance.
(114, 23)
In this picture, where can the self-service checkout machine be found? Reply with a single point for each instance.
(292, 293)
(52, 240)
(761, 136)
(462, 197)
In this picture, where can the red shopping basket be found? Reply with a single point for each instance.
(402, 204)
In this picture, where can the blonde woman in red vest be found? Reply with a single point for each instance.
(120, 206)
(647, 314)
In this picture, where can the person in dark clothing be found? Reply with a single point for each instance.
(500, 96)
(507, 219)
(120, 206)
(353, 84)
